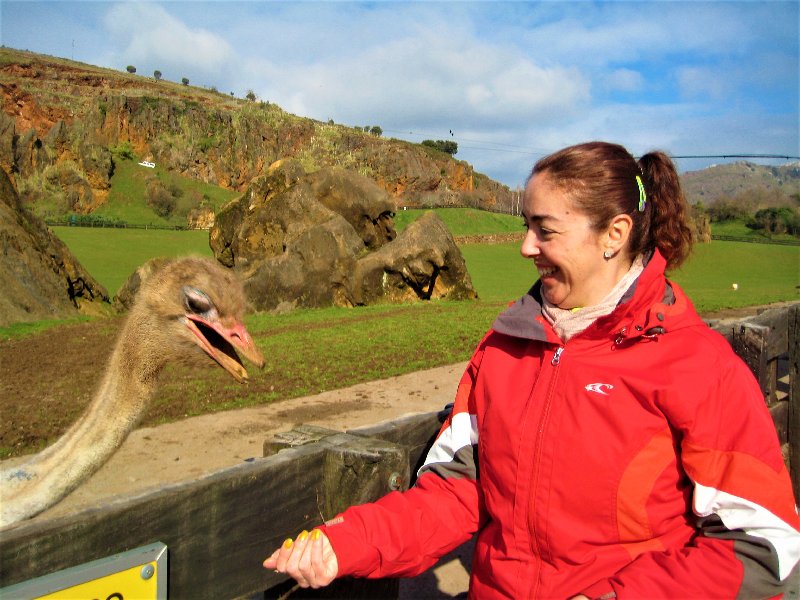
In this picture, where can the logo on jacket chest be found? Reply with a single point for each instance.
(599, 388)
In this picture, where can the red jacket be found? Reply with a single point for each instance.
(636, 460)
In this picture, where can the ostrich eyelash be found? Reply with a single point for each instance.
(196, 301)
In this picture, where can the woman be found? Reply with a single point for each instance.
(604, 442)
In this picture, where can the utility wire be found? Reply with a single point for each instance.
(500, 147)
(737, 156)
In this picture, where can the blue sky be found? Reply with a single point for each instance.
(512, 81)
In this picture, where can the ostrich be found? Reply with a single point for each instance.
(190, 306)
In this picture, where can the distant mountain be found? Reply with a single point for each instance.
(732, 180)
(64, 124)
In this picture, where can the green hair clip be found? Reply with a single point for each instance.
(642, 195)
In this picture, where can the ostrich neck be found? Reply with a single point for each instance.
(48, 476)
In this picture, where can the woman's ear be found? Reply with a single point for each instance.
(619, 229)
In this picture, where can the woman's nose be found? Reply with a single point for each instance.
(530, 245)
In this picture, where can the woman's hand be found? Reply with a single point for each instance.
(309, 559)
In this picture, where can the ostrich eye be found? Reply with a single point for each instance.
(196, 301)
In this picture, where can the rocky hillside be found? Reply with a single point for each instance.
(772, 183)
(62, 122)
(39, 276)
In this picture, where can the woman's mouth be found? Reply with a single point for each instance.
(545, 271)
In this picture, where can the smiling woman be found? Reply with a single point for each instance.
(589, 219)
(602, 405)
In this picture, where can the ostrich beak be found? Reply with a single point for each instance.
(221, 341)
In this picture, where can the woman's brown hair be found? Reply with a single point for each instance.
(601, 178)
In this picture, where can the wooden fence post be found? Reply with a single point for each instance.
(750, 343)
(357, 469)
(793, 421)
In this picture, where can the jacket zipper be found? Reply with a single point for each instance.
(557, 356)
(544, 419)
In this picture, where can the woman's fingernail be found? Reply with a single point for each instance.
(316, 534)
(303, 535)
(288, 543)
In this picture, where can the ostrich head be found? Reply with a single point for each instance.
(189, 307)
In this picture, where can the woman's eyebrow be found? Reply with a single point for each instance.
(539, 218)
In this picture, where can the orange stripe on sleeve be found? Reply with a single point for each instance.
(745, 476)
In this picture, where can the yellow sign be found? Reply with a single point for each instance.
(139, 574)
(124, 585)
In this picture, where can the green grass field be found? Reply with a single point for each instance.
(764, 273)
(111, 255)
(739, 229)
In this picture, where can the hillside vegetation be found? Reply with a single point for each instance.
(66, 129)
(745, 199)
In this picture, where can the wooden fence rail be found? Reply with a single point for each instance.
(219, 528)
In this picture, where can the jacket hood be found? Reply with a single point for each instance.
(651, 306)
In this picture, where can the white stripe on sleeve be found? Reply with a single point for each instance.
(755, 520)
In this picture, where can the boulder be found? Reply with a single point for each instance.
(423, 262)
(365, 206)
(327, 238)
(39, 277)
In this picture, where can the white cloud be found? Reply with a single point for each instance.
(150, 35)
(623, 80)
(436, 75)
(698, 82)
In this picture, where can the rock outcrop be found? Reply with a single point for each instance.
(199, 134)
(39, 277)
(327, 238)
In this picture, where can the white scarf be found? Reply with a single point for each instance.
(568, 323)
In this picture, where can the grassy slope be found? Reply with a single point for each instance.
(126, 201)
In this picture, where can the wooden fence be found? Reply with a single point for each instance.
(219, 528)
(770, 345)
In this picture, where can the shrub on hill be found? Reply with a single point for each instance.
(447, 146)
(776, 220)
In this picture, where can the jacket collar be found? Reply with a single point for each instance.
(642, 312)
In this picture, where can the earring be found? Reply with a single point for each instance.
(608, 254)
